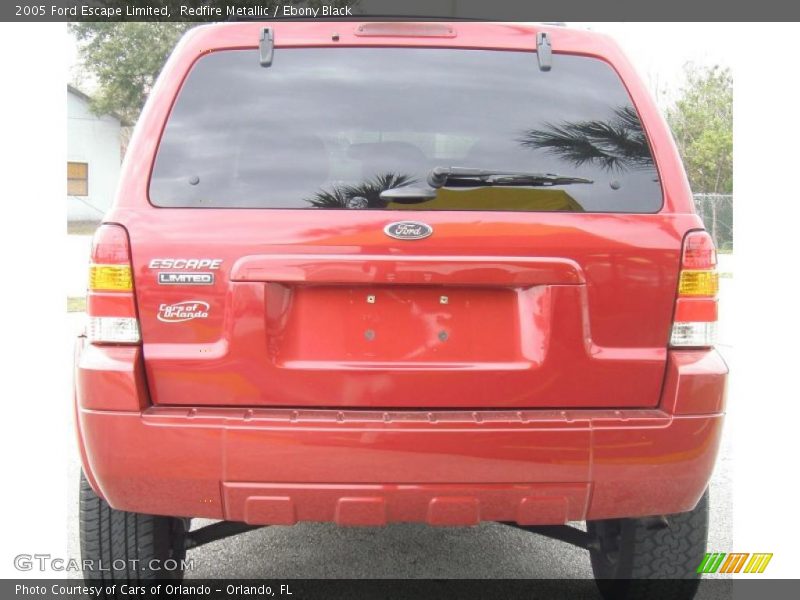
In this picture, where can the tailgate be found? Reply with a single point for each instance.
(526, 310)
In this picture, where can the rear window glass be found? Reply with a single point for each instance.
(333, 128)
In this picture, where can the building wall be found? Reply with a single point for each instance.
(94, 140)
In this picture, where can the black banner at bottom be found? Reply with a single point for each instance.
(332, 589)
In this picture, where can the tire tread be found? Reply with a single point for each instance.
(656, 564)
(117, 538)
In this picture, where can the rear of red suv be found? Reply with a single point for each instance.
(402, 272)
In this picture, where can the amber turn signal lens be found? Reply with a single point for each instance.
(698, 283)
(110, 278)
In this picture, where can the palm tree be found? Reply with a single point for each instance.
(616, 144)
(364, 195)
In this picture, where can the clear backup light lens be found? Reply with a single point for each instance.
(694, 335)
(114, 330)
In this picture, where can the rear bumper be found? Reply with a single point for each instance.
(280, 466)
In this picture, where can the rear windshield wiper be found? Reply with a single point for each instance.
(466, 177)
(439, 177)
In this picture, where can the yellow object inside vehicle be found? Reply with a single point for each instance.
(497, 198)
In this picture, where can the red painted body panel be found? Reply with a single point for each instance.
(592, 292)
(513, 366)
(282, 465)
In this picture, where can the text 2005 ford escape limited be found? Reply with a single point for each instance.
(402, 272)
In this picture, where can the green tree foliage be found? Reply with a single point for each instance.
(702, 123)
(126, 57)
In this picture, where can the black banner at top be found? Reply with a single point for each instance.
(485, 10)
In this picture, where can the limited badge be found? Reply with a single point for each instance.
(184, 278)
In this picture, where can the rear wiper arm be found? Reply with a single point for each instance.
(466, 177)
(439, 177)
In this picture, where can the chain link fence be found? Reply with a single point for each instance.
(716, 210)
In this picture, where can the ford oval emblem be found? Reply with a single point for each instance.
(408, 230)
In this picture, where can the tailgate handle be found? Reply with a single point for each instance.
(500, 271)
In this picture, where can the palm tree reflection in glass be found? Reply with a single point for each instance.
(362, 195)
(617, 144)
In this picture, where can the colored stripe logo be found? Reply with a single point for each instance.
(736, 562)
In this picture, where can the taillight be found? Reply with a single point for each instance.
(695, 323)
(110, 303)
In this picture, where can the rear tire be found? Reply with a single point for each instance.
(128, 546)
(632, 555)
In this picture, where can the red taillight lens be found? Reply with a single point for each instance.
(701, 310)
(110, 302)
(698, 251)
(110, 246)
(695, 321)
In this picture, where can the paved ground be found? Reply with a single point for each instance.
(410, 551)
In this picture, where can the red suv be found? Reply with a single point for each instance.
(368, 273)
